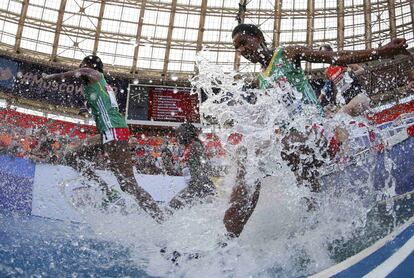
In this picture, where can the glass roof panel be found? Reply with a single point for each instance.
(114, 36)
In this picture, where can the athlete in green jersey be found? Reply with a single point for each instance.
(102, 101)
(113, 136)
(283, 67)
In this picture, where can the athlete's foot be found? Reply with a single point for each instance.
(311, 204)
(175, 257)
(224, 240)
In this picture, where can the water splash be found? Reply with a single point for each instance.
(282, 238)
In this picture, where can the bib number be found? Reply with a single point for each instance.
(290, 98)
(343, 83)
(112, 97)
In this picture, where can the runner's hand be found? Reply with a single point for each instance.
(394, 47)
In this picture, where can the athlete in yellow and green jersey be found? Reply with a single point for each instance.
(282, 67)
(281, 70)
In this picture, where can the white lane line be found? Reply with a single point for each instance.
(392, 262)
(342, 266)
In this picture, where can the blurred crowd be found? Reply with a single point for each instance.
(47, 141)
(32, 143)
(161, 153)
(154, 155)
(37, 138)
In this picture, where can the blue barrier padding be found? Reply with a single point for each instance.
(373, 169)
(403, 157)
(16, 184)
(378, 257)
(19, 167)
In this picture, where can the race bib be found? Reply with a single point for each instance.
(112, 96)
(291, 97)
(343, 83)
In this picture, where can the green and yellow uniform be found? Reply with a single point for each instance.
(281, 70)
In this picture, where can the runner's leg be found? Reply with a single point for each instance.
(198, 188)
(84, 160)
(121, 165)
(242, 201)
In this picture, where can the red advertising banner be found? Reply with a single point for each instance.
(173, 104)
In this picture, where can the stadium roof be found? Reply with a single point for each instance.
(161, 38)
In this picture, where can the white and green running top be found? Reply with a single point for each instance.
(101, 99)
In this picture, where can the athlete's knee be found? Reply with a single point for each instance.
(127, 187)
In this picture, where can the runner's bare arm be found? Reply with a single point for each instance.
(299, 53)
(92, 75)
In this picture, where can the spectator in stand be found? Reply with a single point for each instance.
(5, 140)
(45, 145)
